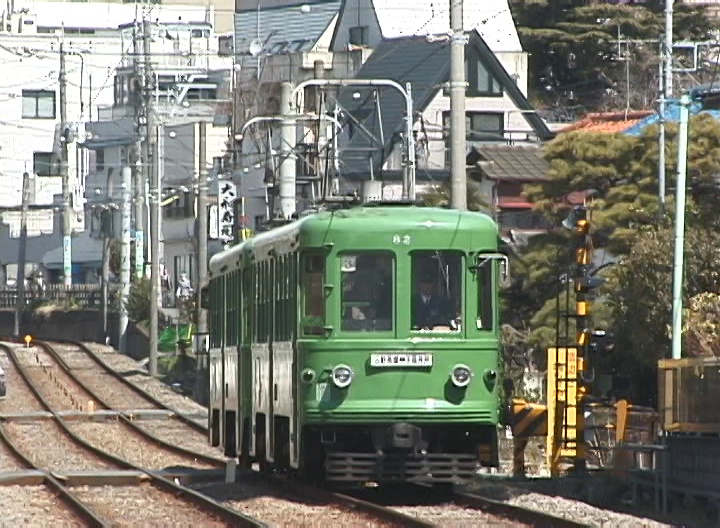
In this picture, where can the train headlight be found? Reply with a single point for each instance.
(342, 376)
(461, 375)
(308, 375)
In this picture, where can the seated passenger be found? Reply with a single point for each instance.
(429, 308)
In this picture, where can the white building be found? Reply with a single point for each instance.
(30, 102)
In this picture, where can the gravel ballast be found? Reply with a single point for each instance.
(34, 506)
(143, 506)
(47, 447)
(261, 502)
(114, 438)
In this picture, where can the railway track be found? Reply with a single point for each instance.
(120, 491)
(276, 500)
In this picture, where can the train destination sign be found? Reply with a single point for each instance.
(401, 360)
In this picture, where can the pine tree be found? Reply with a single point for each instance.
(575, 57)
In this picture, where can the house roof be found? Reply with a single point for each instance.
(511, 162)
(491, 18)
(608, 122)
(426, 65)
(287, 28)
(84, 250)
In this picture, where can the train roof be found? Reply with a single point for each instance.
(370, 222)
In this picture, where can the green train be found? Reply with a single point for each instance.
(360, 345)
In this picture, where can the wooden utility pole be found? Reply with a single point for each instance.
(22, 245)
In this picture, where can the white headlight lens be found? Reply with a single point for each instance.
(342, 376)
(461, 375)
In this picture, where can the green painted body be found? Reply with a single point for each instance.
(274, 351)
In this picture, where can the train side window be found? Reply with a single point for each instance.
(313, 285)
(367, 291)
(486, 308)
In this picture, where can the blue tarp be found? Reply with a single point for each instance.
(672, 113)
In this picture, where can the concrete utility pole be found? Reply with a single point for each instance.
(64, 136)
(20, 304)
(661, 140)
(125, 257)
(668, 49)
(202, 260)
(288, 138)
(458, 134)
(154, 136)
(679, 253)
(140, 156)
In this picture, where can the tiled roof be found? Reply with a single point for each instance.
(511, 162)
(608, 122)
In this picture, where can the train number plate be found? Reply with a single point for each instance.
(401, 360)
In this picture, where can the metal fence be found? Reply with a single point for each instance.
(79, 295)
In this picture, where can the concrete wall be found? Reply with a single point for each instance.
(81, 325)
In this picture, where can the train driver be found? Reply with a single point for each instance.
(430, 308)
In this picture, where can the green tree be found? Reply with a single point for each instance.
(116, 256)
(574, 50)
(622, 170)
(641, 297)
(138, 304)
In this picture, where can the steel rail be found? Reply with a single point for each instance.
(206, 504)
(50, 480)
(514, 512)
(47, 347)
(117, 376)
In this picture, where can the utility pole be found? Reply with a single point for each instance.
(140, 156)
(64, 136)
(661, 140)
(125, 257)
(679, 253)
(154, 136)
(458, 136)
(22, 246)
(668, 49)
(287, 148)
(202, 261)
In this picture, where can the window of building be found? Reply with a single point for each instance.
(485, 125)
(479, 126)
(183, 266)
(46, 164)
(99, 160)
(38, 104)
(480, 81)
(359, 36)
(183, 206)
(313, 287)
(436, 291)
(367, 291)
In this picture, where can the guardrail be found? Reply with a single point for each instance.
(81, 295)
